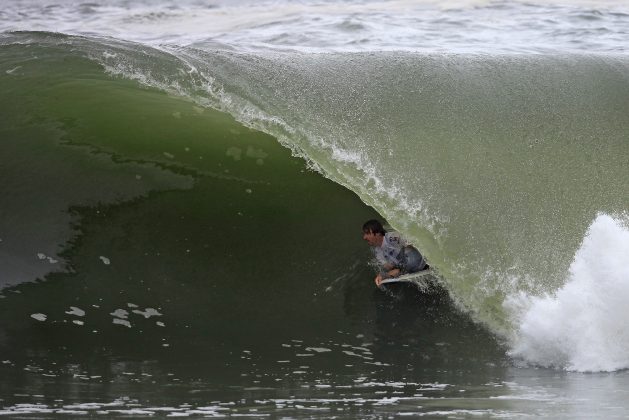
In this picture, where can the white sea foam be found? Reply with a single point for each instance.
(39, 317)
(318, 349)
(583, 326)
(147, 313)
(43, 256)
(120, 313)
(75, 311)
(124, 322)
(310, 25)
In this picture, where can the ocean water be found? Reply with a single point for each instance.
(184, 182)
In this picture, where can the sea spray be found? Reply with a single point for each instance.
(583, 326)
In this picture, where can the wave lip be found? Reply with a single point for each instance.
(583, 326)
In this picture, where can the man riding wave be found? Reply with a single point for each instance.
(393, 254)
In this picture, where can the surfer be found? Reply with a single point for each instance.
(394, 255)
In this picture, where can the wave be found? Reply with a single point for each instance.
(494, 165)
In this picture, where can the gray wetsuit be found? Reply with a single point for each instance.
(397, 252)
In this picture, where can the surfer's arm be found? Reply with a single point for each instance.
(391, 270)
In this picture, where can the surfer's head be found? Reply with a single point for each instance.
(373, 232)
(374, 226)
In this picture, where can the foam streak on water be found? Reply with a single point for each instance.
(583, 326)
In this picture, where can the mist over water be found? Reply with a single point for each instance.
(184, 183)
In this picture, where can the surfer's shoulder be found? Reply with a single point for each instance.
(393, 237)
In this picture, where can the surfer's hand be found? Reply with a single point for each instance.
(378, 280)
(394, 273)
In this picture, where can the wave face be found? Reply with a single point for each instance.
(494, 166)
(499, 154)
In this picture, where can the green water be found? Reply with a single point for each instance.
(190, 265)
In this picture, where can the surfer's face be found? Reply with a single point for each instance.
(373, 239)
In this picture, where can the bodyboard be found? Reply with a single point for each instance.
(425, 280)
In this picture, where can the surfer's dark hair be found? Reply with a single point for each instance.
(373, 226)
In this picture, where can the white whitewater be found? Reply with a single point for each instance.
(582, 326)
